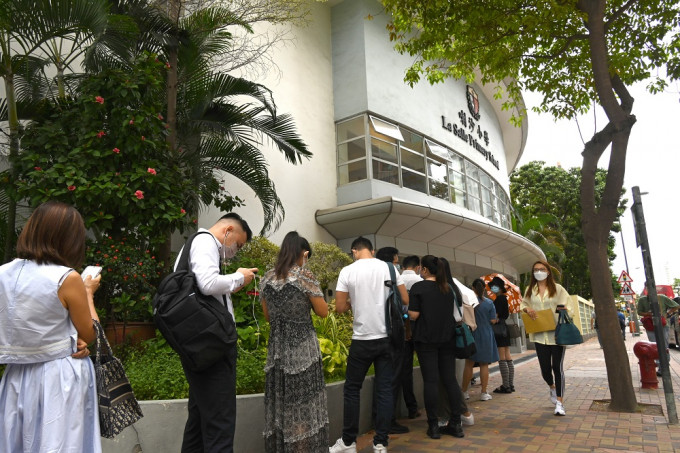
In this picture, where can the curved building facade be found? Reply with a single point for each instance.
(423, 169)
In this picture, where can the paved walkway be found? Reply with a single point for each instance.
(524, 420)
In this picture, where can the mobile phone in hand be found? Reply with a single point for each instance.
(91, 270)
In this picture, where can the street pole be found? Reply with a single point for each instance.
(643, 243)
(631, 303)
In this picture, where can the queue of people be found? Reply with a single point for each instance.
(41, 292)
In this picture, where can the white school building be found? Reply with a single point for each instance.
(422, 169)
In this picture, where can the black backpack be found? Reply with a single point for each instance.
(197, 326)
(394, 314)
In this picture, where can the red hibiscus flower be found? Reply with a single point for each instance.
(151, 170)
(99, 100)
(116, 150)
(71, 188)
(100, 134)
(139, 194)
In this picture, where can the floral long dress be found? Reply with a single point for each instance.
(296, 414)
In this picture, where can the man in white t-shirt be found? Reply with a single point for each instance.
(361, 287)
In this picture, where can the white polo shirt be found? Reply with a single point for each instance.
(364, 280)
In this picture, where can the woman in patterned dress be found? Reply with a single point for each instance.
(296, 416)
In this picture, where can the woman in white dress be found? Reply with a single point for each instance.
(48, 397)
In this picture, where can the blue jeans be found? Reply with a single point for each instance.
(363, 354)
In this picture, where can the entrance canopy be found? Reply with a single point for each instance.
(474, 246)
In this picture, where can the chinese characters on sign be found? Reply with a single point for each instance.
(470, 131)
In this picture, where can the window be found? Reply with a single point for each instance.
(355, 171)
(385, 172)
(415, 181)
(351, 150)
(407, 159)
(412, 141)
(382, 150)
(435, 150)
(412, 161)
(385, 128)
(438, 185)
(349, 130)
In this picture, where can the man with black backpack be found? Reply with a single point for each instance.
(362, 287)
(212, 392)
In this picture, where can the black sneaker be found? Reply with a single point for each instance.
(433, 430)
(453, 429)
(414, 414)
(396, 428)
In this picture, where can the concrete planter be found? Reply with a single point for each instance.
(162, 426)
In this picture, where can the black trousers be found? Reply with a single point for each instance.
(212, 408)
(405, 381)
(438, 361)
(550, 359)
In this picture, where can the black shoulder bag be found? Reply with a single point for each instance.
(197, 326)
(394, 314)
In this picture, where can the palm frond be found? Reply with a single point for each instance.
(248, 165)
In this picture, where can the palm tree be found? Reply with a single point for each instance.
(217, 122)
(33, 34)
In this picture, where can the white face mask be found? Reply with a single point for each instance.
(495, 289)
(540, 275)
(228, 251)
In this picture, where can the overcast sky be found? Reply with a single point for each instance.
(653, 163)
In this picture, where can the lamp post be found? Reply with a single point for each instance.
(643, 243)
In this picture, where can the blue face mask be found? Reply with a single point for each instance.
(495, 289)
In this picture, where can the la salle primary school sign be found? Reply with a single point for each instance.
(469, 124)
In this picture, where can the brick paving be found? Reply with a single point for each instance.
(524, 420)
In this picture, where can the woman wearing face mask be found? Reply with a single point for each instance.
(505, 364)
(543, 293)
(296, 417)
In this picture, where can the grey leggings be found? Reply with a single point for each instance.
(550, 358)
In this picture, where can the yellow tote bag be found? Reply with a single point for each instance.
(544, 322)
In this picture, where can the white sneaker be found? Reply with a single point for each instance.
(485, 397)
(559, 409)
(468, 421)
(340, 447)
(553, 396)
(380, 448)
(466, 395)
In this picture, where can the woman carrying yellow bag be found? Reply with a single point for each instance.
(543, 294)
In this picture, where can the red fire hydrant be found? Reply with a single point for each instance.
(647, 353)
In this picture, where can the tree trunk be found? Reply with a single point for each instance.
(598, 220)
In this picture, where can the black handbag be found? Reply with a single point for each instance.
(566, 332)
(394, 314)
(118, 407)
(514, 331)
(500, 329)
(197, 326)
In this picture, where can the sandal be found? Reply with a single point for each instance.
(502, 389)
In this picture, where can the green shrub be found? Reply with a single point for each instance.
(155, 372)
(326, 262)
(250, 371)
